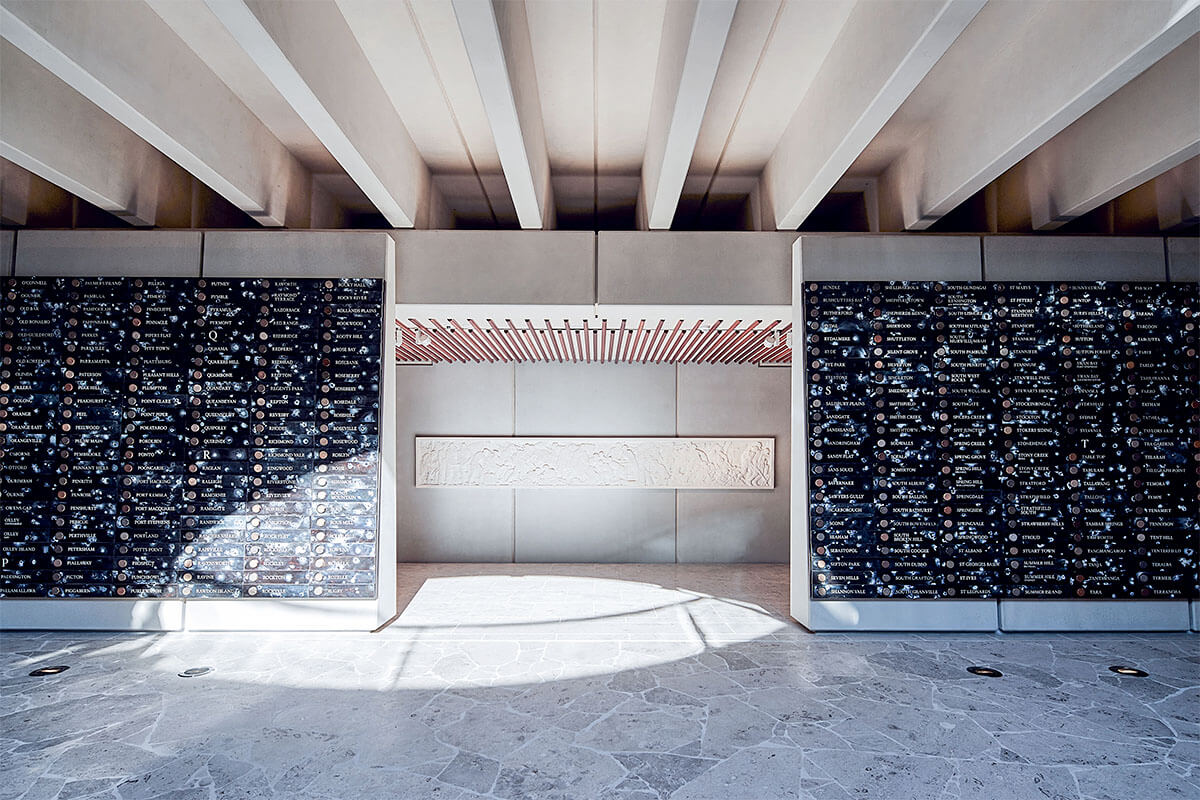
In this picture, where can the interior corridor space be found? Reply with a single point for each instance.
(622, 682)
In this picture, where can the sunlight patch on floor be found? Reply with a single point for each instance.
(485, 630)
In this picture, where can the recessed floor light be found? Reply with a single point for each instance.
(986, 672)
(1132, 672)
(44, 671)
(195, 672)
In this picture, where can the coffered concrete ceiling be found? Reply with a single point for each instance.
(753, 114)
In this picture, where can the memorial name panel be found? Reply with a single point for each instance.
(190, 438)
(978, 440)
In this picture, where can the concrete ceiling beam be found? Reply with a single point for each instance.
(694, 35)
(1018, 76)
(1146, 128)
(309, 53)
(882, 54)
(1177, 195)
(125, 59)
(90, 155)
(496, 35)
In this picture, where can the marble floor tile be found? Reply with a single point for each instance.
(613, 682)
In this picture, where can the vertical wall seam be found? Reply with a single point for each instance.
(982, 261)
(513, 549)
(202, 238)
(1166, 260)
(12, 257)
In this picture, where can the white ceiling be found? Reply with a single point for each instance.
(806, 93)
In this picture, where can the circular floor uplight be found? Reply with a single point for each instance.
(1132, 672)
(44, 671)
(986, 672)
(195, 672)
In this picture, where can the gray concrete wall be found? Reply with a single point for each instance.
(731, 526)
(131, 253)
(894, 257)
(495, 267)
(693, 268)
(1183, 259)
(593, 525)
(452, 524)
(8, 249)
(610, 525)
(1073, 258)
(296, 254)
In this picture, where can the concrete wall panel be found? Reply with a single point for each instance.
(295, 254)
(693, 268)
(8, 243)
(1094, 615)
(54, 613)
(452, 524)
(736, 526)
(600, 525)
(901, 615)
(609, 525)
(1073, 258)
(595, 400)
(496, 267)
(595, 524)
(1183, 259)
(105, 253)
(888, 258)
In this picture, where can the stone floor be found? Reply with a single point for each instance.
(582, 682)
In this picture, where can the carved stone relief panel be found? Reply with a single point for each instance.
(643, 462)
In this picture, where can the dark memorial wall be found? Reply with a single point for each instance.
(189, 438)
(982, 440)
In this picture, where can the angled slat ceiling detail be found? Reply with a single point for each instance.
(606, 341)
